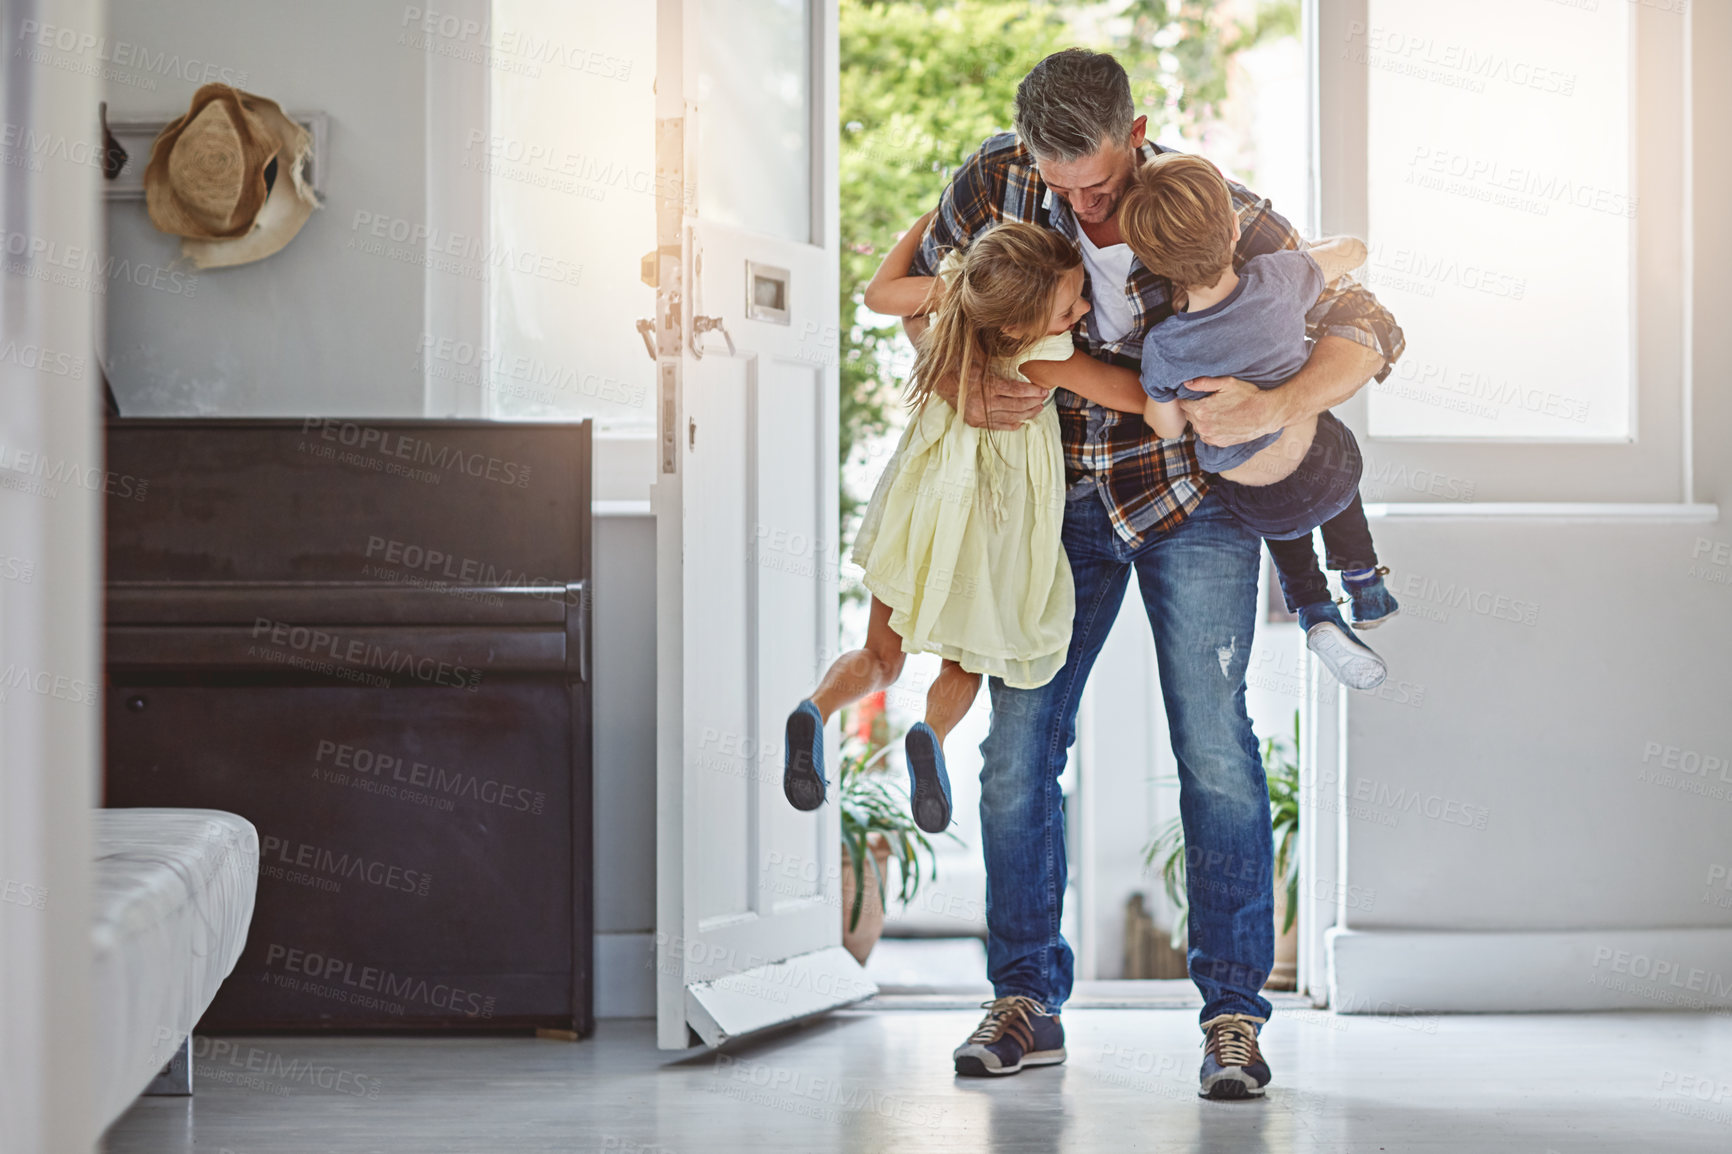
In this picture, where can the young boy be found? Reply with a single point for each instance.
(1178, 219)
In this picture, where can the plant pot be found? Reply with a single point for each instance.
(860, 940)
(1285, 974)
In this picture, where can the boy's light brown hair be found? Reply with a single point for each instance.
(1177, 216)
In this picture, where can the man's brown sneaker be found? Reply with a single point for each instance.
(1233, 1067)
(1016, 1032)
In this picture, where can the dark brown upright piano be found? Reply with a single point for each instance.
(369, 638)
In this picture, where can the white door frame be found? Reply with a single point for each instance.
(50, 593)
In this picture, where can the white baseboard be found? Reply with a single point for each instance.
(1426, 971)
(625, 976)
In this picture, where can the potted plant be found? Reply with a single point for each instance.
(1281, 769)
(876, 826)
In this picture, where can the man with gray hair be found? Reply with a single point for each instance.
(1134, 502)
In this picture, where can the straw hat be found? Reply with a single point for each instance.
(230, 177)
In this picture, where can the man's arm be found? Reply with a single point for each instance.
(1336, 256)
(1239, 411)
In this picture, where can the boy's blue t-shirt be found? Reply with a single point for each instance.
(1257, 334)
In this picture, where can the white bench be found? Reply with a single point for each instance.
(172, 896)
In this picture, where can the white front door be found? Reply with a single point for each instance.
(748, 890)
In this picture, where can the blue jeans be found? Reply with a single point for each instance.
(1199, 586)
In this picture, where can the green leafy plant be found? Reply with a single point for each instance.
(1281, 769)
(870, 804)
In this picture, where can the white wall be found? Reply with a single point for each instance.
(322, 326)
(1581, 742)
(624, 699)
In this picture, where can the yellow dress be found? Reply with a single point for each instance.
(961, 540)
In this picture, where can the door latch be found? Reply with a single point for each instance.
(702, 325)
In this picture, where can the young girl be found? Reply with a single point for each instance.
(960, 542)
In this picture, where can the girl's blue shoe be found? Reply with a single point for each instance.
(803, 758)
(928, 783)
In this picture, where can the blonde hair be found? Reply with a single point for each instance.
(1177, 216)
(1006, 285)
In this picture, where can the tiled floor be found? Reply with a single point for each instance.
(880, 1080)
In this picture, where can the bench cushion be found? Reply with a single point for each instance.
(172, 897)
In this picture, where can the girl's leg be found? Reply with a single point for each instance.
(861, 671)
(849, 678)
(947, 701)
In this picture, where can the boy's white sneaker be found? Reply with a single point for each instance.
(1352, 662)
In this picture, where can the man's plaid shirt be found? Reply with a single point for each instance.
(1147, 485)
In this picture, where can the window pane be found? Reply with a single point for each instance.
(572, 189)
(755, 116)
(1502, 216)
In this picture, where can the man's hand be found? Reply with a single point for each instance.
(996, 402)
(1239, 411)
(1236, 411)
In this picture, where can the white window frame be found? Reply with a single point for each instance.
(1648, 476)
